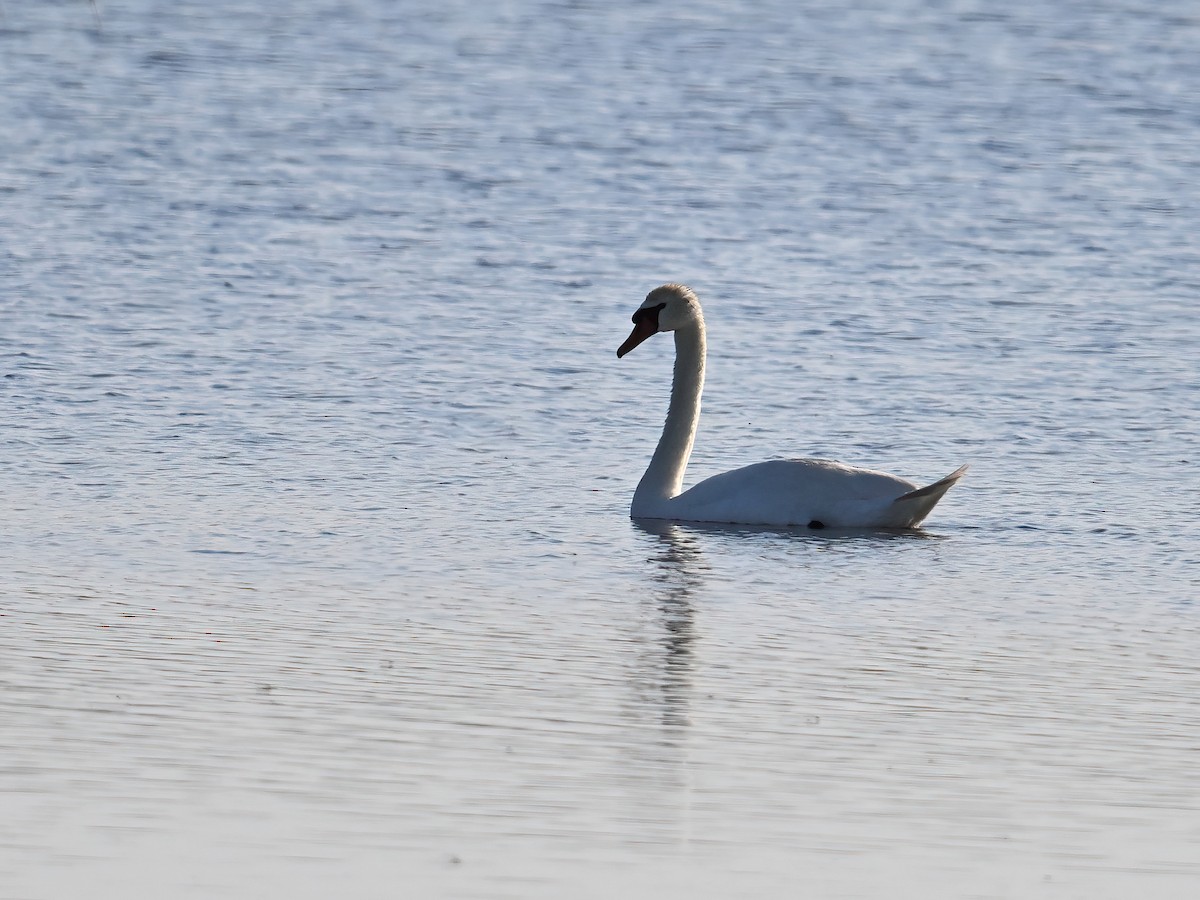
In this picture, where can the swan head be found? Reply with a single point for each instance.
(666, 308)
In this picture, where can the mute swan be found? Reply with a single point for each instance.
(814, 492)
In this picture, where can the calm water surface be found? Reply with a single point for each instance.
(316, 456)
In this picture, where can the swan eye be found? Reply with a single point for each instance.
(648, 312)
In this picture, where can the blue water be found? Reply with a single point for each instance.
(316, 456)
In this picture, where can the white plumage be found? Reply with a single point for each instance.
(814, 492)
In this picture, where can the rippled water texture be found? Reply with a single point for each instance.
(316, 455)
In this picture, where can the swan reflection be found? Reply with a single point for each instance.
(678, 573)
(686, 531)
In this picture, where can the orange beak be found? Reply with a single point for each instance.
(642, 329)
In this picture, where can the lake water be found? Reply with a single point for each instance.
(316, 455)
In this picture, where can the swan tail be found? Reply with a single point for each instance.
(916, 505)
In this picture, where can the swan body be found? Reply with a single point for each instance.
(814, 492)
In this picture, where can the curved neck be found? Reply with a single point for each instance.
(664, 476)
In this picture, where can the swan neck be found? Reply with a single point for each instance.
(664, 476)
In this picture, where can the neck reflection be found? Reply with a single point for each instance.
(678, 573)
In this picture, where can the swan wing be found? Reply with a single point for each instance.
(793, 492)
(813, 492)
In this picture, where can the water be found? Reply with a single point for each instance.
(317, 457)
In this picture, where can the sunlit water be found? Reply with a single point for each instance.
(316, 455)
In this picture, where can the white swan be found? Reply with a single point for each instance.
(813, 492)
